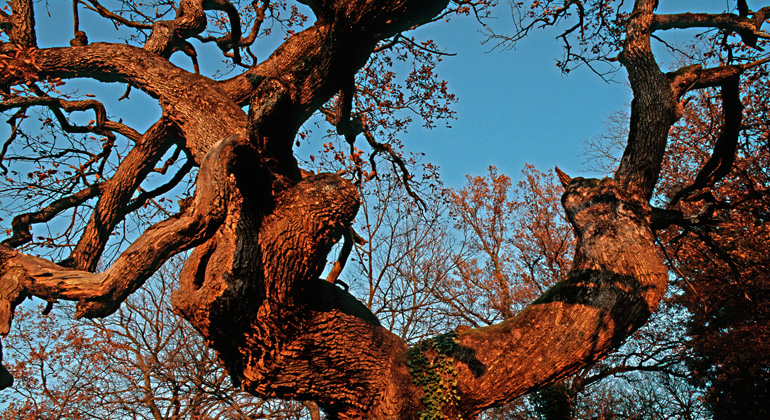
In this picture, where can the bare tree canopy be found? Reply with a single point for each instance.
(260, 227)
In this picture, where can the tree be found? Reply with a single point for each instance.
(403, 261)
(516, 245)
(261, 228)
(721, 261)
(718, 252)
(142, 362)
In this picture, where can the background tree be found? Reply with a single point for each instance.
(722, 261)
(517, 245)
(261, 228)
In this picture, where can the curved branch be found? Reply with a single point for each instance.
(147, 195)
(615, 284)
(233, 39)
(14, 122)
(696, 77)
(168, 36)
(385, 148)
(250, 38)
(5, 21)
(190, 98)
(283, 332)
(69, 106)
(721, 161)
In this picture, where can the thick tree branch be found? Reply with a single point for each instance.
(653, 109)
(116, 193)
(168, 36)
(190, 98)
(303, 338)
(262, 233)
(696, 77)
(5, 21)
(748, 29)
(338, 43)
(615, 284)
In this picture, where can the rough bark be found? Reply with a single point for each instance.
(116, 193)
(653, 109)
(22, 23)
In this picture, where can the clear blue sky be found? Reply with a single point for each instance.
(515, 106)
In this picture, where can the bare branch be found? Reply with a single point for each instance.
(350, 237)
(22, 223)
(174, 181)
(410, 41)
(394, 157)
(392, 42)
(15, 122)
(75, 17)
(103, 125)
(103, 11)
